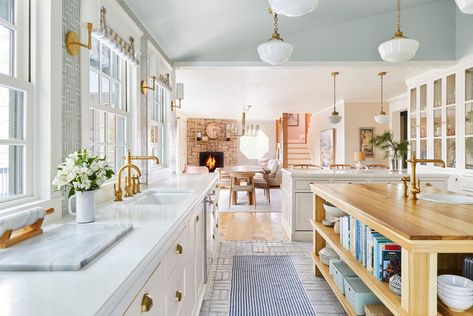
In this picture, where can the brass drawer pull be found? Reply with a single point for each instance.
(178, 296)
(428, 184)
(179, 249)
(197, 218)
(146, 303)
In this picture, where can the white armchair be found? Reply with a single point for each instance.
(274, 177)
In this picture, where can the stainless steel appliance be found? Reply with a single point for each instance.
(211, 230)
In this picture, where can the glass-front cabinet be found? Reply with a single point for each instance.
(432, 119)
(469, 118)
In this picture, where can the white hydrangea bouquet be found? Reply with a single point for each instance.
(81, 172)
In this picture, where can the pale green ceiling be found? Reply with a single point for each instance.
(339, 30)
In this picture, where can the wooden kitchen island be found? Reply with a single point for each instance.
(434, 238)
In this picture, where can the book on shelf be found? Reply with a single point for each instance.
(378, 254)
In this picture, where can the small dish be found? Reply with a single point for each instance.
(449, 291)
(328, 222)
(333, 211)
(455, 282)
(455, 296)
(455, 304)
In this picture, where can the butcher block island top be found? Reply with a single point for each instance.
(434, 238)
(384, 205)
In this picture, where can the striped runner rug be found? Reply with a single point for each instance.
(267, 285)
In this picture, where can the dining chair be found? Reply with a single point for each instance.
(306, 166)
(376, 166)
(263, 183)
(242, 182)
(340, 166)
(223, 179)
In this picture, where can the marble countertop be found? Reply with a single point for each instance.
(105, 282)
(362, 173)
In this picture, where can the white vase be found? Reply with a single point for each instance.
(85, 206)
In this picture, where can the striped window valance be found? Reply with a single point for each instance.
(109, 37)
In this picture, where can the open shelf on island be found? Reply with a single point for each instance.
(326, 274)
(380, 289)
(445, 311)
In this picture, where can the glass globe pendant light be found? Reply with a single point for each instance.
(334, 118)
(275, 51)
(465, 6)
(400, 48)
(293, 8)
(382, 117)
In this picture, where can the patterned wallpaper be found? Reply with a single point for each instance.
(71, 103)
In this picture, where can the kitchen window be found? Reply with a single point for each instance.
(15, 102)
(159, 102)
(108, 113)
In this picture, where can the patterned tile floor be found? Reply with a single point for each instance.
(217, 299)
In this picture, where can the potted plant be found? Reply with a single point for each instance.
(394, 150)
(82, 174)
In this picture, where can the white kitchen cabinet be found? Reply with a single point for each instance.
(304, 210)
(297, 198)
(177, 286)
(151, 299)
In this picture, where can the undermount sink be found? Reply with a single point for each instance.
(154, 197)
(447, 198)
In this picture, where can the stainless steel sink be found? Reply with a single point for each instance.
(447, 198)
(155, 197)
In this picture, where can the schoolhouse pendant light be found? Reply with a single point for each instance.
(465, 6)
(293, 8)
(400, 48)
(335, 118)
(275, 51)
(382, 117)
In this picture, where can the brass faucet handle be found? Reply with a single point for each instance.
(138, 184)
(405, 180)
(117, 193)
(133, 185)
(128, 187)
(418, 185)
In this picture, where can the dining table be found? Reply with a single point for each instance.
(247, 172)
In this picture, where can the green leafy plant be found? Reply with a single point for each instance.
(386, 143)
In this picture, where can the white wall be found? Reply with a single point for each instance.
(319, 123)
(396, 106)
(358, 115)
(269, 128)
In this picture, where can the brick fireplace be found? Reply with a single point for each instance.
(229, 148)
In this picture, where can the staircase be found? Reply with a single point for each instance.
(298, 154)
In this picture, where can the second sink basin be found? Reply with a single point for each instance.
(155, 197)
(447, 198)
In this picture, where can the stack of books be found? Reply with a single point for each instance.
(379, 255)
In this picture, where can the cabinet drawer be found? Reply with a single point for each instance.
(432, 184)
(304, 185)
(176, 292)
(150, 300)
(350, 181)
(177, 251)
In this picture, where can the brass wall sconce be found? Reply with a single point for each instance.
(145, 88)
(153, 70)
(179, 96)
(90, 18)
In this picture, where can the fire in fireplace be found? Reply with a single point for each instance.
(211, 159)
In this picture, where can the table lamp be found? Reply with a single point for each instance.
(359, 156)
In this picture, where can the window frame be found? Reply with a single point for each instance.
(123, 111)
(19, 80)
(163, 95)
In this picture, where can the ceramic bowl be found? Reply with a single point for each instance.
(456, 296)
(455, 282)
(333, 211)
(449, 291)
(328, 252)
(455, 304)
